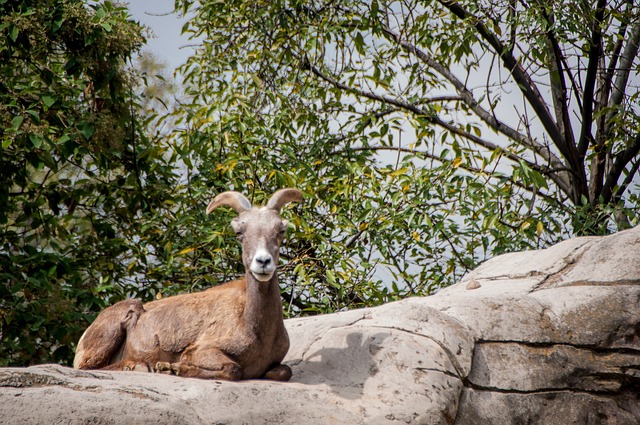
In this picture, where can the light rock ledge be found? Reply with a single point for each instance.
(540, 337)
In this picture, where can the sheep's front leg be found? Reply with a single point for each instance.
(130, 366)
(203, 363)
(227, 372)
(280, 372)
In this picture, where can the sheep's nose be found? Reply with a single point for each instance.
(263, 261)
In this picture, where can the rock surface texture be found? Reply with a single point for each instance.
(541, 337)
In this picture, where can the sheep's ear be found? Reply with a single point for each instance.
(236, 225)
(283, 197)
(235, 200)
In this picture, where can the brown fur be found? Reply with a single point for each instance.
(233, 331)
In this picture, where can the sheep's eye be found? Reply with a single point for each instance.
(240, 235)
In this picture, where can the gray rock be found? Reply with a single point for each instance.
(540, 337)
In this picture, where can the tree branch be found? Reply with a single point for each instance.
(627, 181)
(469, 100)
(595, 51)
(622, 73)
(435, 119)
(369, 95)
(473, 170)
(525, 83)
(619, 164)
(557, 82)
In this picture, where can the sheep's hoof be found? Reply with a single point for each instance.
(168, 368)
(281, 372)
(165, 368)
(135, 367)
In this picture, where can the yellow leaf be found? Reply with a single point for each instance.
(276, 46)
(539, 228)
(416, 236)
(450, 269)
(456, 162)
(186, 250)
(399, 172)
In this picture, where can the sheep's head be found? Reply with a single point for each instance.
(260, 230)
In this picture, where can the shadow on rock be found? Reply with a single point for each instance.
(345, 363)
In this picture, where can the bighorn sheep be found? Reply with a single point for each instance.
(232, 331)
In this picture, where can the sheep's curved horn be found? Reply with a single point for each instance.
(283, 197)
(235, 200)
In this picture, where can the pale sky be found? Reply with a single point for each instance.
(167, 43)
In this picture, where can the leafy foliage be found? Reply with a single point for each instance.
(421, 132)
(427, 136)
(80, 183)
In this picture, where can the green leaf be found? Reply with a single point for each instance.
(35, 115)
(359, 42)
(48, 101)
(16, 122)
(332, 279)
(87, 129)
(55, 25)
(62, 139)
(48, 160)
(36, 140)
